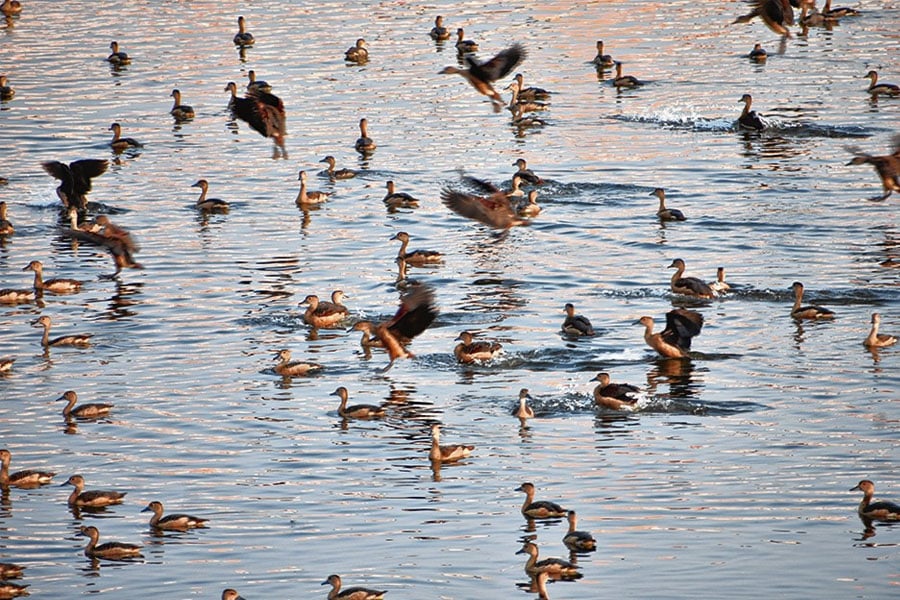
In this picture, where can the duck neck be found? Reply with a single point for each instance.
(798, 298)
(202, 197)
(864, 503)
(73, 497)
(45, 340)
(302, 196)
(529, 498)
(402, 252)
(679, 271)
(38, 279)
(746, 110)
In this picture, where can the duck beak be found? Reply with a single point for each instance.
(145, 509)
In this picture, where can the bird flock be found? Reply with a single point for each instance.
(472, 198)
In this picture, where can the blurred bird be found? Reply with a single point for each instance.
(481, 75)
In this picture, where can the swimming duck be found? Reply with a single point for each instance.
(839, 12)
(807, 312)
(58, 285)
(231, 594)
(531, 208)
(83, 339)
(494, 210)
(287, 368)
(394, 199)
(351, 593)
(174, 522)
(758, 54)
(208, 204)
(621, 81)
(75, 179)
(110, 550)
(264, 112)
(666, 214)
(324, 315)
(688, 286)
(117, 240)
(243, 37)
(614, 395)
(518, 106)
(539, 509)
(521, 120)
(439, 32)
(602, 60)
(552, 566)
(882, 511)
(449, 452)
(522, 410)
(878, 340)
(11, 7)
(516, 191)
(364, 144)
(468, 351)
(749, 119)
(369, 339)
(527, 175)
(576, 324)
(876, 88)
(578, 540)
(720, 286)
(12, 590)
(6, 364)
(13, 296)
(117, 58)
(813, 18)
(887, 167)
(776, 14)
(305, 197)
(675, 340)
(464, 46)
(356, 411)
(93, 498)
(118, 143)
(529, 94)
(336, 173)
(6, 228)
(257, 84)
(24, 479)
(416, 257)
(10, 571)
(357, 53)
(181, 112)
(481, 75)
(85, 411)
(6, 92)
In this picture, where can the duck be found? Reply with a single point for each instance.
(174, 522)
(7, 92)
(304, 197)
(621, 81)
(602, 61)
(394, 199)
(58, 285)
(21, 296)
(516, 190)
(521, 121)
(875, 339)
(529, 94)
(93, 498)
(720, 286)
(530, 208)
(29, 478)
(522, 410)
(876, 88)
(118, 143)
(356, 411)
(264, 112)
(439, 33)
(688, 286)
(333, 173)
(776, 14)
(551, 566)
(839, 12)
(494, 210)
(257, 84)
(243, 37)
(6, 227)
(468, 351)
(369, 338)
(517, 105)
(75, 179)
(181, 112)
(286, 368)
(110, 550)
(578, 540)
(887, 167)
(447, 453)
(576, 325)
(416, 257)
(749, 119)
(118, 241)
(208, 204)
(675, 340)
(78, 339)
(358, 53)
(6, 364)
(12, 590)
(616, 396)
(527, 175)
(666, 214)
(480, 75)
(539, 509)
(881, 511)
(364, 144)
(10, 570)
(116, 58)
(351, 593)
(85, 411)
(11, 7)
(813, 18)
(464, 46)
(758, 54)
(231, 594)
(324, 315)
(807, 312)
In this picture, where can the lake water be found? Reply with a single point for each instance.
(731, 479)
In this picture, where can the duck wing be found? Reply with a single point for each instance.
(486, 187)
(494, 210)
(416, 313)
(682, 325)
(76, 177)
(264, 112)
(499, 66)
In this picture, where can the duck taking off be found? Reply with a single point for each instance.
(481, 75)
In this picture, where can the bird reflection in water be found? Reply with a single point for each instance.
(678, 374)
(122, 300)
